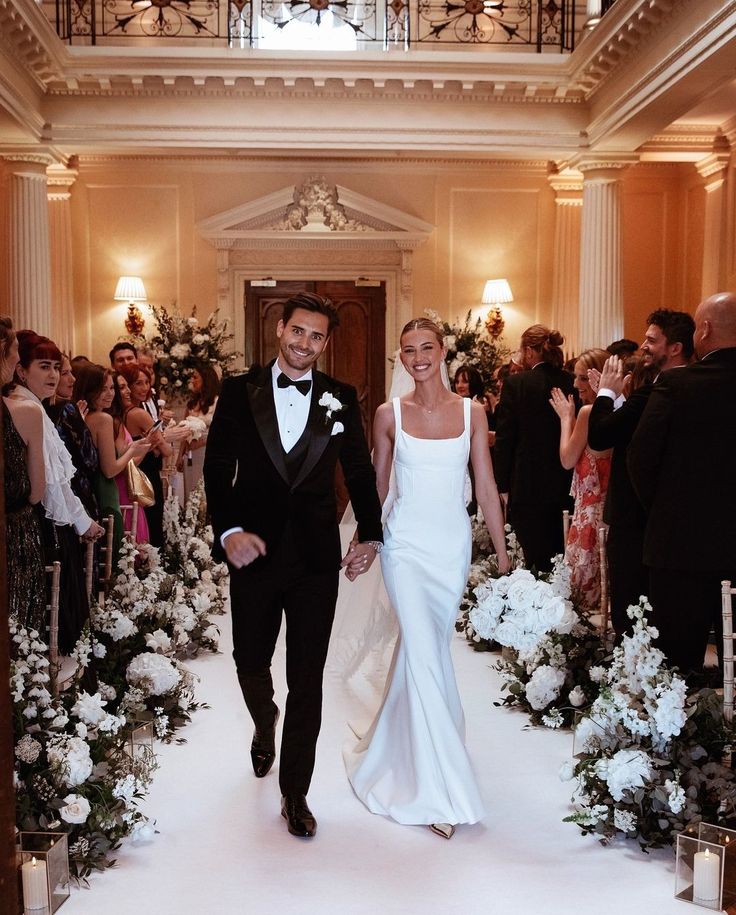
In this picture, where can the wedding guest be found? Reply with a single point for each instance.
(122, 354)
(681, 464)
(205, 389)
(138, 423)
(68, 416)
(532, 482)
(95, 385)
(589, 481)
(667, 343)
(468, 383)
(120, 405)
(25, 482)
(36, 378)
(622, 348)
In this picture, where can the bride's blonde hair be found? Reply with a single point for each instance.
(423, 324)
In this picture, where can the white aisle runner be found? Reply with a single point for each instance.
(223, 847)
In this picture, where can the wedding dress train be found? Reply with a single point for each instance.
(412, 764)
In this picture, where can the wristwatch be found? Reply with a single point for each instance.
(376, 544)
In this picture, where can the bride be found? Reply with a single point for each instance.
(412, 765)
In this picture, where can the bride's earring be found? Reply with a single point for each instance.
(446, 830)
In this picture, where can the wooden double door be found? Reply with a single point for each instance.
(356, 352)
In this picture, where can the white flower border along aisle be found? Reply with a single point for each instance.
(649, 756)
(72, 772)
(550, 648)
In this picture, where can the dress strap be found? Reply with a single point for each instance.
(397, 413)
(466, 413)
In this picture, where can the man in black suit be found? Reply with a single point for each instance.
(532, 482)
(667, 344)
(275, 440)
(681, 461)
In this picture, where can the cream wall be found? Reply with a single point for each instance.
(492, 220)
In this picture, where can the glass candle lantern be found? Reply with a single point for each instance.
(43, 871)
(705, 870)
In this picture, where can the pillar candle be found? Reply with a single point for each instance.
(706, 876)
(35, 885)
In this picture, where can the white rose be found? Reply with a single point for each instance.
(158, 641)
(77, 809)
(566, 771)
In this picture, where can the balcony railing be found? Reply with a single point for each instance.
(531, 25)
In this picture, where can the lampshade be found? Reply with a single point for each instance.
(130, 289)
(497, 292)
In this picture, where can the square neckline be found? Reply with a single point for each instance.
(417, 438)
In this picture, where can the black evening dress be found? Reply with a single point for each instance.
(25, 558)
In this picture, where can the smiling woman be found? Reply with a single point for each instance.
(36, 379)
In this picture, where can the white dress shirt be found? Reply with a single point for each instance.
(292, 408)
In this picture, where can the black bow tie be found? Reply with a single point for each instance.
(303, 386)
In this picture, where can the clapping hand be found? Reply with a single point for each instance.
(594, 379)
(83, 408)
(612, 376)
(563, 406)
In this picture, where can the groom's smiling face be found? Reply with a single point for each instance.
(301, 341)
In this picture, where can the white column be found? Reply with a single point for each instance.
(60, 181)
(568, 188)
(601, 313)
(29, 262)
(713, 169)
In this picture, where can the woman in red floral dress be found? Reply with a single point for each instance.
(589, 481)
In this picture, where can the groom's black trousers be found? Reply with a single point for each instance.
(259, 597)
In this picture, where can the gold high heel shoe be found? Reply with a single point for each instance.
(446, 830)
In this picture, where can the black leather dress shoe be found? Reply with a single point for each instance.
(263, 749)
(299, 817)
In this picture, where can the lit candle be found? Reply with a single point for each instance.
(706, 876)
(35, 886)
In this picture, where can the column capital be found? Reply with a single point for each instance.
(713, 168)
(59, 180)
(604, 166)
(567, 185)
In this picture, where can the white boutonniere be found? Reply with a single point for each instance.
(331, 405)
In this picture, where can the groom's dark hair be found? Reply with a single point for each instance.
(310, 301)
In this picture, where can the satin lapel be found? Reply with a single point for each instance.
(320, 430)
(264, 416)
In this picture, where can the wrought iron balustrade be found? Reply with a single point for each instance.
(532, 25)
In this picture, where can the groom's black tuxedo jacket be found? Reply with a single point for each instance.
(251, 483)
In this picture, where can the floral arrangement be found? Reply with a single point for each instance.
(182, 343)
(187, 553)
(549, 647)
(649, 762)
(470, 344)
(484, 565)
(72, 771)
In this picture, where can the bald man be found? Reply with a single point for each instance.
(681, 461)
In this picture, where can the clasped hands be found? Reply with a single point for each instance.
(358, 559)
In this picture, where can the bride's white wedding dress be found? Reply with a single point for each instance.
(412, 764)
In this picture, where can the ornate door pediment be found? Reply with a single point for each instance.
(315, 213)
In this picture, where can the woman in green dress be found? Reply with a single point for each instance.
(95, 386)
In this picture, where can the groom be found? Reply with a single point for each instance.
(269, 470)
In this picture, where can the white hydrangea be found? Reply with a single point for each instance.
(626, 770)
(544, 686)
(180, 351)
(69, 757)
(153, 673)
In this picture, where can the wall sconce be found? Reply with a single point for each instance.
(496, 293)
(131, 289)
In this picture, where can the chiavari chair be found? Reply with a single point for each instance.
(52, 608)
(727, 594)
